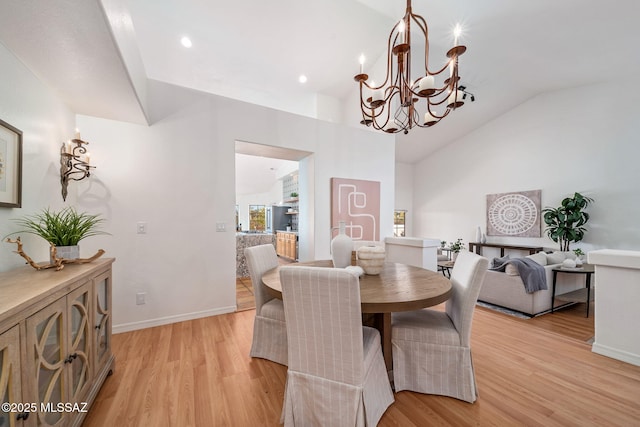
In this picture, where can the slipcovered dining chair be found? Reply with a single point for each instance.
(269, 329)
(431, 349)
(337, 375)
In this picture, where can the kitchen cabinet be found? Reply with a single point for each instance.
(287, 245)
(59, 325)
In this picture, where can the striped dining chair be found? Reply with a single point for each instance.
(431, 348)
(269, 330)
(336, 375)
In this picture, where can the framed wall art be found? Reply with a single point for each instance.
(357, 203)
(514, 214)
(10, 166)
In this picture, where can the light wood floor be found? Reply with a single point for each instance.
(536, 372)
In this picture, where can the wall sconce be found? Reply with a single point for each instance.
(74, 162)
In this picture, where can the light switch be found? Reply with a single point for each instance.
(142, 228)
(221, 226)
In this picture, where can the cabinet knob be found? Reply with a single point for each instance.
(70, 358)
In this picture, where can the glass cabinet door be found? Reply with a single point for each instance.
(10, 374)
(78, 359)
(102, 320)
(46, 360)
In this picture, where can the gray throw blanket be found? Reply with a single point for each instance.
(532, 274)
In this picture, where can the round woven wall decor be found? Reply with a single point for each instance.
(512, 214)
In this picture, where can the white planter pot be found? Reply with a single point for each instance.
(67, 252)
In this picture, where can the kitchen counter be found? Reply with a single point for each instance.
(245, 240)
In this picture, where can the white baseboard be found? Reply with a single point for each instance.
(133, 326)
(625, 356)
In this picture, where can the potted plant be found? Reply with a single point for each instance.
(456, 247)
(565, 224)
(63, 229)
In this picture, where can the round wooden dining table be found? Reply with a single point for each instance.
(399, 287)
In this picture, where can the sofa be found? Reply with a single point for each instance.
(505, 289)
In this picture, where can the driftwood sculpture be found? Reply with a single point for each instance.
(58, 263)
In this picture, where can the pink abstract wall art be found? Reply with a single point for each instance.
(357, 203)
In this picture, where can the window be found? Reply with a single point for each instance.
(399, 223)
(257, 217)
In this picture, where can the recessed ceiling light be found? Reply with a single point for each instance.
(186, 41)
(302, 78)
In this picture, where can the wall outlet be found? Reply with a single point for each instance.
(141, 298)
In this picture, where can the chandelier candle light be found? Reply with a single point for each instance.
(393, 105)
(74, 162)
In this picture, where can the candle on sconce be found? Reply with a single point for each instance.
(456, 34)
(361, 59)
(401, 32)
(88, 158)
(67, 147)
(77, 136)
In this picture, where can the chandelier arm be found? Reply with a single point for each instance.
(447, 65)
(422, 24)
(435, 115)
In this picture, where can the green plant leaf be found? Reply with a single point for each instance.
(64, 228)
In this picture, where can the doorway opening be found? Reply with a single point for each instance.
(269, 207)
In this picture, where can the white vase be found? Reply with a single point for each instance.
(478, 235)
(484, 238)
(341, 248)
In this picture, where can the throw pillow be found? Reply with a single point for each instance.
(556, 257)
(497, 262)
(540, 258)
(511, 270)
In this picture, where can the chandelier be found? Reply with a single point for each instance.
(393, 106)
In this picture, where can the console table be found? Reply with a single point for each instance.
(55, 342)
(477, 248)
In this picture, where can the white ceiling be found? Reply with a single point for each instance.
(255, 50)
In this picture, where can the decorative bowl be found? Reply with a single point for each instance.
(371, 259)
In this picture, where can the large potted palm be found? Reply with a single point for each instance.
(565, 224)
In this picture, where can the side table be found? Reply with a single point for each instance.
(445, 267)
(579, 294)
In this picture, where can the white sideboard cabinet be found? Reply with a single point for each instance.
(55, 342)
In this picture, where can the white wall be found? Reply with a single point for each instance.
(178, 176)
(45, 122)
(582, 139)
(404, 195)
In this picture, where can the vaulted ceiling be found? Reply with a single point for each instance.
(97, 53)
